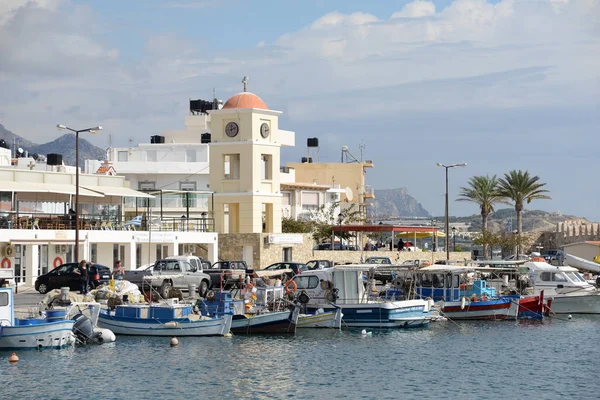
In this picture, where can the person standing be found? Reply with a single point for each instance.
(82, 271)
(400, 245)
(118, 272)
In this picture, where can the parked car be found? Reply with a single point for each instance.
(319, 264)
(64, 275)
(378, 260)
(175, 271)
(297, 268)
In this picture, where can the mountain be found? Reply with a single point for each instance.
(397, 203)
(64, 145)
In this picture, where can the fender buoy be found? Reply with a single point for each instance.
(57, 262)
(462, 286)
(291, 287)
(463, 303)
(249, 287)
(6, 263)
(539, 259)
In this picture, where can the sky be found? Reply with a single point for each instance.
(501, 85)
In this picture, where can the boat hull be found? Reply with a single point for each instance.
(47, 335)
(330, 319)
(571, 304)
(497, 309)
(527, 308)
(157, 327)
(392, 314)
(278, 322)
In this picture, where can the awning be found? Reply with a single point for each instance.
(37, 187)
(419, 235)
(118, 191)
(68, 189)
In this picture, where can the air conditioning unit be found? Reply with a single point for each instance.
(9, 251)
(63, 249)
(57, 249)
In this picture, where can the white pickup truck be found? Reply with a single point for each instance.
(175, 271)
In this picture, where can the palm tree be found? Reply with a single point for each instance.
(482, 190)
(519, 187)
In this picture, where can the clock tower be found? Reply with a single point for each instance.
(244, 165)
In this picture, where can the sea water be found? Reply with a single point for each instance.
(554, 359)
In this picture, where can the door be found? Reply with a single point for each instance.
(59, 277)
(181, 271)
(190, 274)
(70, 278)
(287, 254)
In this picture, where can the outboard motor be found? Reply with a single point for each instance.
(83, 329)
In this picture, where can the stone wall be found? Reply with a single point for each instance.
(264, 254)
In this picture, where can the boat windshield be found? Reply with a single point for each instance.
(553, 277)
(575, 277)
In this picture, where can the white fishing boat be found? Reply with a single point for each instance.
(343, 287)
(164, 319)
(569, 292)
(321, 319)
(581, 263)
(53, 331)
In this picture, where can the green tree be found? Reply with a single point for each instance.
(325, 218)
(520, 187)
(290, 225)
(483, 191)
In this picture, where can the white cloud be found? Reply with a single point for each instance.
(416, 9)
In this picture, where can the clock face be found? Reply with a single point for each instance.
(232, 129)
(264, 130)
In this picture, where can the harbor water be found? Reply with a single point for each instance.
(554, 359)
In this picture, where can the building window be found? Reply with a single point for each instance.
(188, 199)
(310, 201)
(187, 186)
(287, 199)
(151, 156)
(146, 185)
(231, 166)
(122, 156)
(190, 155)
(94, 252)
(266, 166)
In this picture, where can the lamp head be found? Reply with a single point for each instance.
(440, 164)
(61, 126)
(95, 129)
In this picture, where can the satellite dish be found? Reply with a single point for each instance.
(349, 194)
(344, 148)
(20, 150)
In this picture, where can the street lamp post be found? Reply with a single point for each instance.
(453, 238)
(77, 132)
(447, 167)
(340, 216)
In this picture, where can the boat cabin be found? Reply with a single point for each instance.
(7, 315)
(450, 284)
(555, 279)
(340, 285)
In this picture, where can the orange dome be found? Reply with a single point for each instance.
(245, 100)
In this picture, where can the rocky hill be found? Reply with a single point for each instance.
(397, 203)
(64, 145)
(506, 220)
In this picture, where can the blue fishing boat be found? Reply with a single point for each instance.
(163, 319)
(51, 331)
(251, 315)
(459, 298)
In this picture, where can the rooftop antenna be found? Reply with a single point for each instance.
(130, 142)
(245, 82)
(361, 147)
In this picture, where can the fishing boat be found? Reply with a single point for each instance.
(256, 313)
(52, 331)
(581, 263)
(169, 318)
(321, 319)
(344, 288)
(459, 297)
(564, 285)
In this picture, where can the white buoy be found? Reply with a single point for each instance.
(569, 317)
(174, 342)
(463, 303)
(105, 335)
(364, 332)
(228, 334)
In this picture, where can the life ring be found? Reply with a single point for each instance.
(6, 263)
(291, 287)
(57, 262)
(249, 287)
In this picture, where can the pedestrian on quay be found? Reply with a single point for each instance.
(83, 272)
(118, 272)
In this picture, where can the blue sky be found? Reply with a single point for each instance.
(501, 85)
